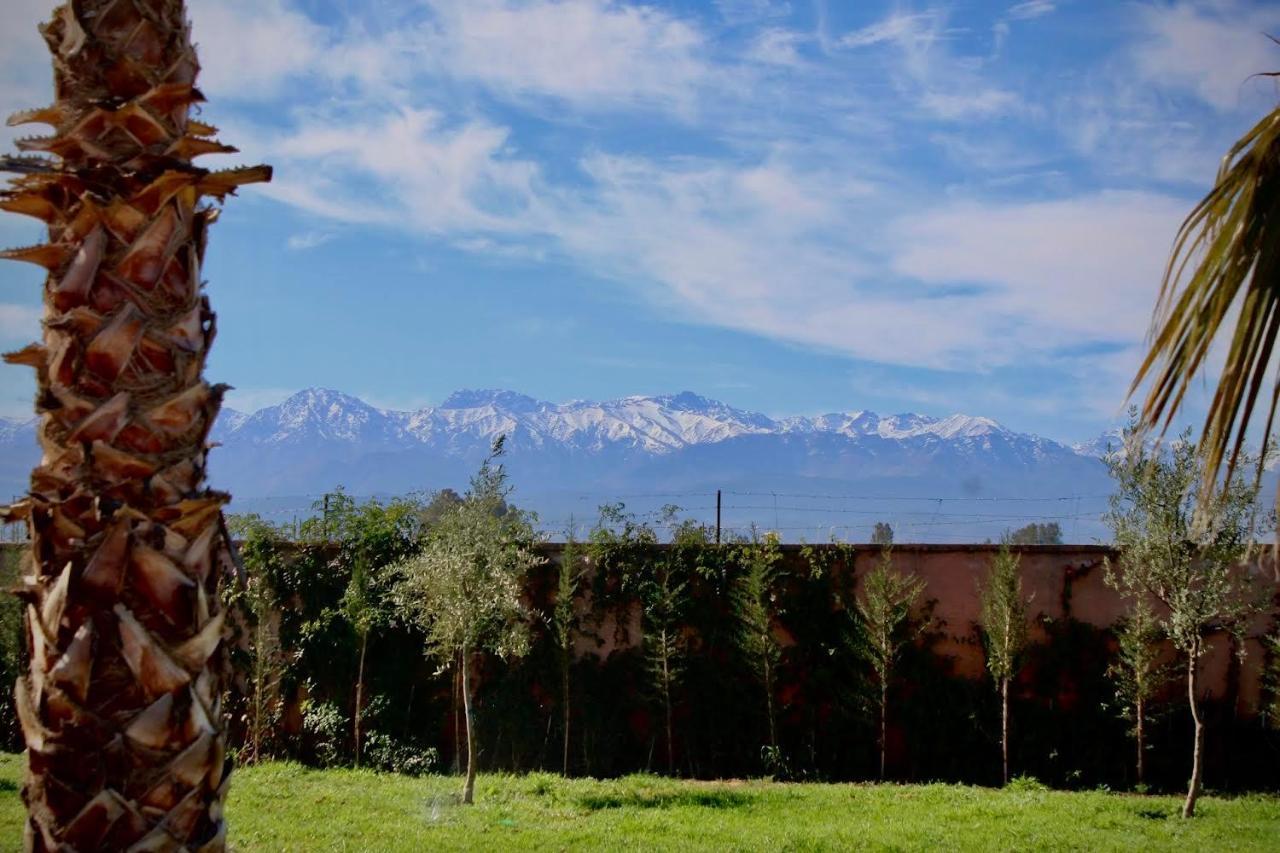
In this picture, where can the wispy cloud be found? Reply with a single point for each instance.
(1211, 49)
(308, 240)
(944, 85)
(588, 52)
(1031, 9)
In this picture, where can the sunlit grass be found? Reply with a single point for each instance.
(290, 807)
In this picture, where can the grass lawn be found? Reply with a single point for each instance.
(288, 807)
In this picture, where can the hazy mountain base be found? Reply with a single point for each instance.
(934, 479)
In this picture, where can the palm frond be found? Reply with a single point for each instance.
(1230, 243)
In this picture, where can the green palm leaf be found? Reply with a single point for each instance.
(1231, 243)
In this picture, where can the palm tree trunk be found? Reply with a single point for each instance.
(1004, 728)
(364, 646)
(468, 788)
(121, 709)
(1197, 768)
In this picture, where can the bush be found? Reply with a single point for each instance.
(1026, 785)
(325, 727)
(383, 752)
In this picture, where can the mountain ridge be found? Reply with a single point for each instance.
(567, 458)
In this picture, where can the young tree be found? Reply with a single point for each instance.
(754, 601)
(371, 537)
(885, 607)
(624, 545)
(465, 587)
(1004, 632)
(125, 622)
(882, 534)
(1181, 544)
(562, 623)
(1139, 672)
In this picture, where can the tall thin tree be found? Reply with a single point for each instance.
(885, 608)
(121, 709)
(1004, 631)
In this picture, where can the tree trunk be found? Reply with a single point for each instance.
(1142, 742)
(121, 709)
(469, 788)
(364, 646)
(666, 702)
(1197, 768)
(1004, 728)
(565, 708)
(768, 701)
(884, 725)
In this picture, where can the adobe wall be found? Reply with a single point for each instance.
(1060, 581)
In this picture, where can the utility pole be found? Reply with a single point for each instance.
(717, 516)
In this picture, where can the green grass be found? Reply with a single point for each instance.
(288, 807)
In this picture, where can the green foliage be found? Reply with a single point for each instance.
(13, 648)
(1026, 785)
(1139, 671)
(1048, 533)
(756, 605)
(885, 608)
(1271, 679)
(1182, 546)
(386, 753)
(464, 588)
(882, 534)
(1003, 616)
(325, 728)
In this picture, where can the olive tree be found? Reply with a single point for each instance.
(1181, 545)
(464, 588)
(1004, 632)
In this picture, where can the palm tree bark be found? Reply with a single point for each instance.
(121, 708)
(469, 787)
(1197, 768)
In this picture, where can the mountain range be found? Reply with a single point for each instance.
(935, 479)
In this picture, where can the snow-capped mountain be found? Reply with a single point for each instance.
(566, 458)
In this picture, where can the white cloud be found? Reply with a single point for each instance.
(19, 323)
(1210, 49)
(945, 86)
(777, 47)
(588, 52)
(1083, 269)
(308, 240)
(249, 49)
(401, 168)
(1031, 9)
(958, 105)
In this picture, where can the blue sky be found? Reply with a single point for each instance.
(795, 207)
